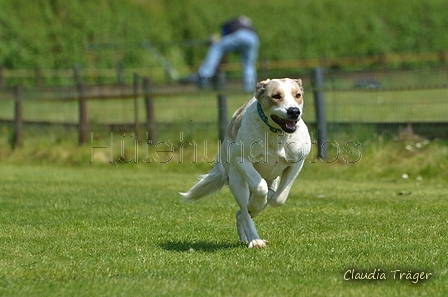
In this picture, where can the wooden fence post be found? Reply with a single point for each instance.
(149, 106)
(318, 90)
(82, 114)
(18, 120)
(136, 123)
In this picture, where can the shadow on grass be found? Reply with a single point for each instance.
(199, 246)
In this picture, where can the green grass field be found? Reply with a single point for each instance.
(73, 228)
(99, 229)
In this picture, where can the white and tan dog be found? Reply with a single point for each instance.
(264, 149)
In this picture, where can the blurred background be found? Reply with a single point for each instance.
(99, 67)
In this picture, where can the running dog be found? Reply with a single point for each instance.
(263, 151)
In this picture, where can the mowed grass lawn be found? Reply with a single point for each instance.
(122, 230)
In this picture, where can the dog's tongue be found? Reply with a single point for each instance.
(291, 124)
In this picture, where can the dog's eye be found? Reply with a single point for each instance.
(298, 95)
(277, 96)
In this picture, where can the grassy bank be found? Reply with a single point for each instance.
(59, 34)
(359, 152)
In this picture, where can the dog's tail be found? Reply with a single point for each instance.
(208, 184)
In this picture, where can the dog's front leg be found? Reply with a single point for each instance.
(278, 198)
(257, 186)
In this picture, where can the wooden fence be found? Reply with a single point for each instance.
(82, 96)
(148, 95)
(143, 87)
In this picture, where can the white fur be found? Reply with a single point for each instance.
(259, 165)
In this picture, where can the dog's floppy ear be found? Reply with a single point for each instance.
(261, 87)
(299, 82)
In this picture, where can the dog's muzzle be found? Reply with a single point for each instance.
(289, 124)
(293, 113)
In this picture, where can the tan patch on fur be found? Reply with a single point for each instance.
(235, 122)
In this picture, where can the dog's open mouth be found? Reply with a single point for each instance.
(288, 126)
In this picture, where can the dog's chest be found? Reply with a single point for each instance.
(270, 170)
(271, 160)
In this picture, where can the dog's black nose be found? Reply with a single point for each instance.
(293, 113)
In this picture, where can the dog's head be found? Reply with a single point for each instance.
(282, 101)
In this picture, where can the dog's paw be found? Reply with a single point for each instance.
(257, 243)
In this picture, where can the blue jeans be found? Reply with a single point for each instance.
(243, 41)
